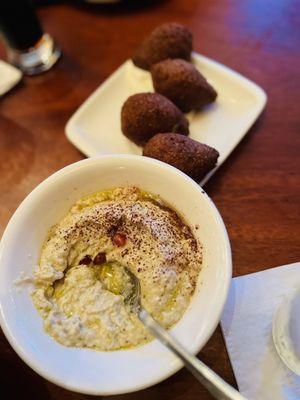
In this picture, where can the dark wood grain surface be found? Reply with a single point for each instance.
(257, 190)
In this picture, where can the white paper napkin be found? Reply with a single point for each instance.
(247, 328)
(9, 76)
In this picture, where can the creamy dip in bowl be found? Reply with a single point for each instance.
(82, 365)
(82, 261)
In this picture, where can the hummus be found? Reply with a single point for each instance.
(81, 271)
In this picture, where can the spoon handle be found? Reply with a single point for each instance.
(214, 384)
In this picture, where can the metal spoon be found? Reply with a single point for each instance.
(214, 384)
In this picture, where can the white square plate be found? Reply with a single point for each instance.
(95, 128)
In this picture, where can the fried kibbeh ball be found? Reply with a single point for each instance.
(170, 40)
(193, 158)
(183, 84)
(145, 114)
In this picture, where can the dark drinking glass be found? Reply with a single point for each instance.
(28, 47)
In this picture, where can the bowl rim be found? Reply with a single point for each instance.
(35, 365)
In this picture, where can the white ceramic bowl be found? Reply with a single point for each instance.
(85, 370)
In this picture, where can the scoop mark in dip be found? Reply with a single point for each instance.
(84, 307)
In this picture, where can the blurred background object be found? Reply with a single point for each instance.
(103, 1)
(28, 47)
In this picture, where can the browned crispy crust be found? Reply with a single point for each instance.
(170, 40)
(193, 158)
(145, 114)
(183, 84)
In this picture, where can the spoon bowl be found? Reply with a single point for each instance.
(133, 298)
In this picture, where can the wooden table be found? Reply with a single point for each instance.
(257, 190)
